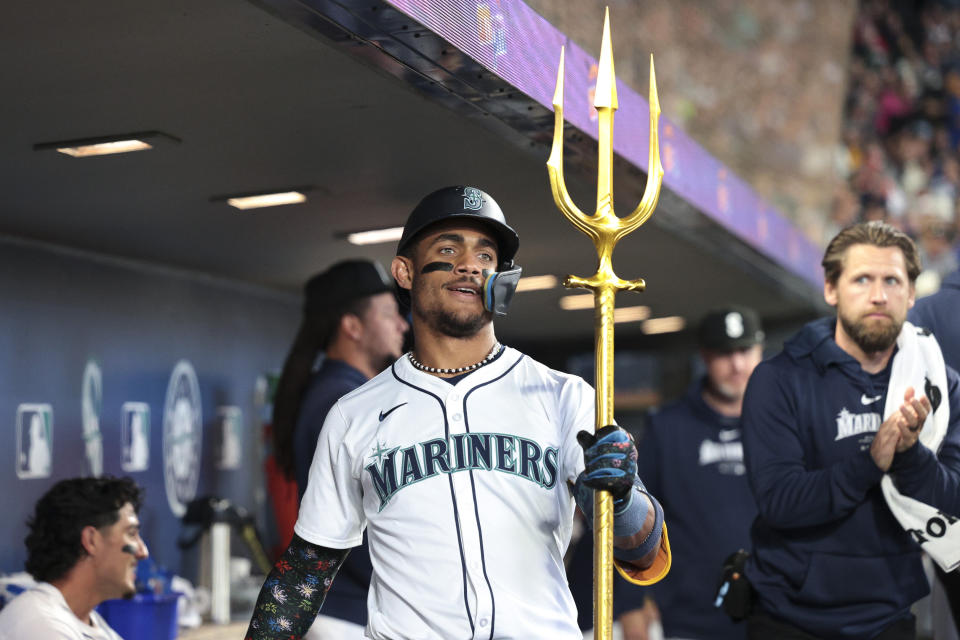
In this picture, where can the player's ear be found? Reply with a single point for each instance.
(351, 326)
(402, 269)
(90, 539)
(830, 293)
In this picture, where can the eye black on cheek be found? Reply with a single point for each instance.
(436, 266)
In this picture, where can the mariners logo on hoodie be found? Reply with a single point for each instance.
(854, 424)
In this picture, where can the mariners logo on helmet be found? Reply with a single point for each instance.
(472, 199)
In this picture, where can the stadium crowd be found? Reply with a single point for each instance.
(899, 155)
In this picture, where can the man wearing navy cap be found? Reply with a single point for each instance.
(350, 314)
(691, 457)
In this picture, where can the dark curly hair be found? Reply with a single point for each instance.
(53, 542)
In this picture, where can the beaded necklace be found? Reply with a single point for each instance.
(487, 360)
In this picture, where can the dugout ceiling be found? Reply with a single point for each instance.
(370, 110)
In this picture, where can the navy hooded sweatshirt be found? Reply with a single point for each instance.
(691, 458)
(941, 314)
(828, 556)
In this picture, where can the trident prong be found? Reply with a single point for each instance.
(651, 193)
(555, 164)
(605, 229)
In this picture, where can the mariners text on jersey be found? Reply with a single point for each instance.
(397, 468)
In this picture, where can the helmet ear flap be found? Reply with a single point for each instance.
(499, 287)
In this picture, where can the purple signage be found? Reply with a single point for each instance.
(520, 46)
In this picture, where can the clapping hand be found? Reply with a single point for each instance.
(901, 430)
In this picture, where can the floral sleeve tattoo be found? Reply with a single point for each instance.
(294, 591)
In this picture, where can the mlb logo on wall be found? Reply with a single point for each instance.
(34, 440)
(135, 434)
(90, 401)
(182, 436)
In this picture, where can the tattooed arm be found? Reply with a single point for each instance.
(294, 591)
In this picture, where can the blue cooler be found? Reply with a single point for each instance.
(145, 616)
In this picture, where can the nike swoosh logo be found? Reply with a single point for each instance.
(726, 435)
(865, 400)
(389, 411)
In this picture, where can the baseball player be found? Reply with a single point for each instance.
(462, 462)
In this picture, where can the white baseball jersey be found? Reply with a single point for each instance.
(463, 491)
(43, 613)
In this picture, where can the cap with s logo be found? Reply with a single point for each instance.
(730, 328)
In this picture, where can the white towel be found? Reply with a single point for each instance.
(918, 363)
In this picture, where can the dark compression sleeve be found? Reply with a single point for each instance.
(294, 591)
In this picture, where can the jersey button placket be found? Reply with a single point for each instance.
(455, 412)
(470, 527)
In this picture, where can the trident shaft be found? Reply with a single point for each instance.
(605, 228)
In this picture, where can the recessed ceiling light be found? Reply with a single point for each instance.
(577, 301)
(536, 283)
(105, 148)
(668, 324)
(375, 236)
(107, 145)
(631, 314)
(620, 314)
(266, 200)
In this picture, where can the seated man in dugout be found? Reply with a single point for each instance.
(83, 547)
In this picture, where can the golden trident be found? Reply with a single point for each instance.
(605, 228)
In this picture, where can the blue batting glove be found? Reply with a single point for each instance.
(610, 458)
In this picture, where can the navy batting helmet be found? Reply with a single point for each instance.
(467, 203)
